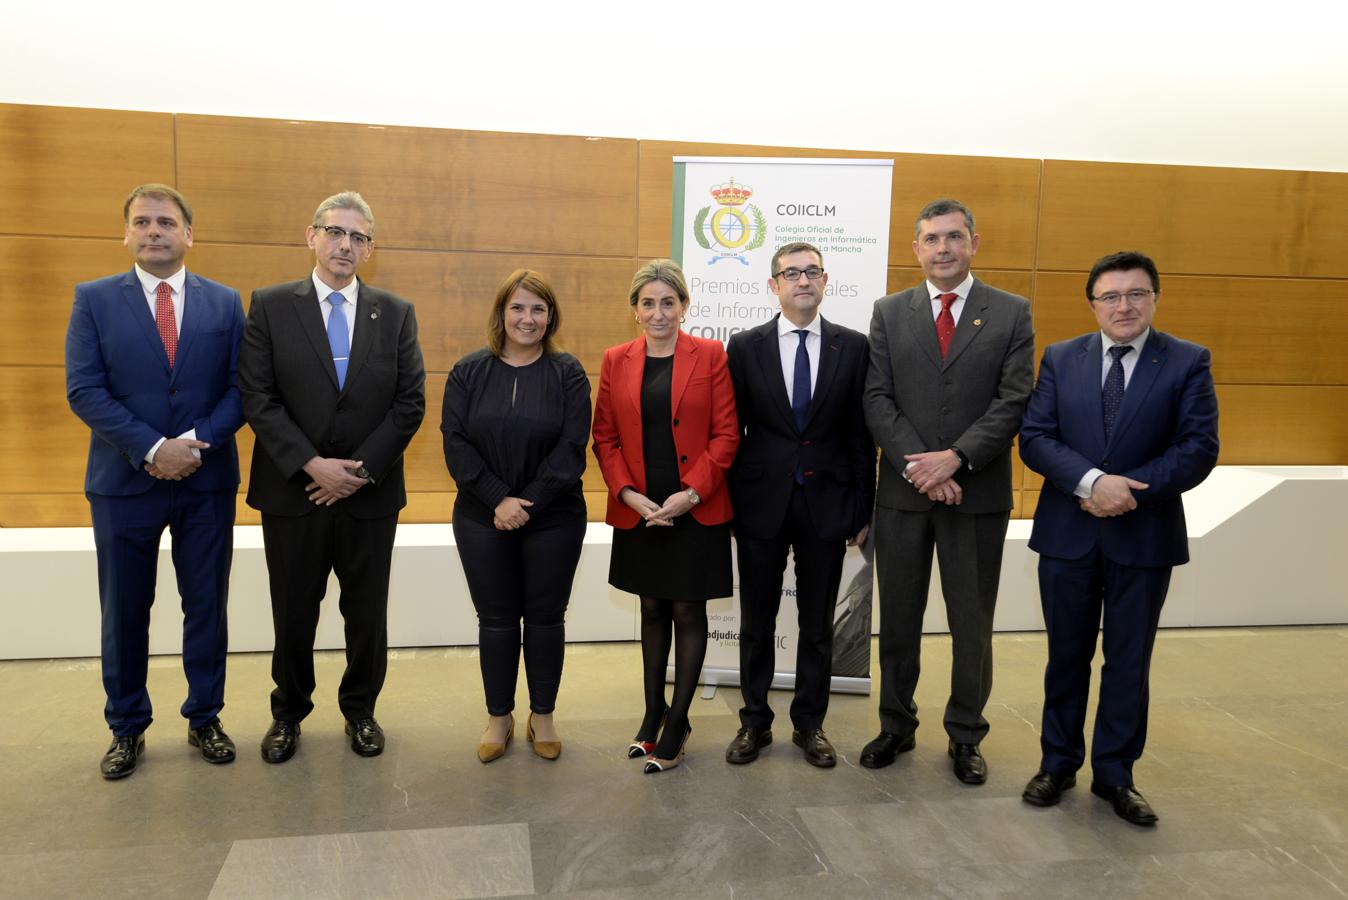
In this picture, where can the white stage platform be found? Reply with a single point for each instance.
(1269, 547)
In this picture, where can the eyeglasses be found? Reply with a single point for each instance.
(814, 273)
(1134, 297)
(358, 241)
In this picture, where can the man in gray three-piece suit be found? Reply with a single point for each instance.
(950, 374)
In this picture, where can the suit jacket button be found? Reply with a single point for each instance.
(676, 423)
(683, 459)
(173, 392)
(1105, 463)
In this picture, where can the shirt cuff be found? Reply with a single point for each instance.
(149, 457)
(190, 435)
(1086, 483)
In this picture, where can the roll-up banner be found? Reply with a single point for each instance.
(730, 215)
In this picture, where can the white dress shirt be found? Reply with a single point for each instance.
(350, 292)
(1083, 489)
(150, 284)
(787, 342)
(961, 290)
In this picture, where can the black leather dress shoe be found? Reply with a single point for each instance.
(216, 747)
(818, 751)
(1045, 788)
(367, 738)
(281, 741)
(122, 756)
(970, 766)
(885, 748)
(1128, 803)
(748, 741)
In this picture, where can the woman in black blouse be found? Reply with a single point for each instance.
(516, 419)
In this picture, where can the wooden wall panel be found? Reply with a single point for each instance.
(1260, 330)
(1196, 220)
(66, 171)
(37, 288)
(1282, 425)
(47, 443)
(259, 180)
(1002, 193)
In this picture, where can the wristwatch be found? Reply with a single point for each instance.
(694, 496)
(363, 472)
(964, 460)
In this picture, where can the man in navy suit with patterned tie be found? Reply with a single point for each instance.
(151, 367)
(1121, 423)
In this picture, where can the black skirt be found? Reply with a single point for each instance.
(689, 560)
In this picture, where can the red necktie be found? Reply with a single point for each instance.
(163, 317)
(945, 322)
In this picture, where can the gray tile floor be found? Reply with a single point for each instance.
(1246, 767)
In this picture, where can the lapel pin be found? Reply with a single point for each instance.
(978, 321)
(374, 315)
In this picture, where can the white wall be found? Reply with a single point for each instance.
(1146, 81)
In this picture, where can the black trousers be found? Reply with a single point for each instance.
(301, 552)
(525, 574)
(1074, 592)
(969, 553)
(762, 562)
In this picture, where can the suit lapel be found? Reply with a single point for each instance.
(768, 349)
(311, 323)
(830, 350)
(635, 371)
(1086, 372)
(191, 323)
(133, 295)
(367, 319)
(1149, 366)
(972, 319)
(685, 360)
(923, 325)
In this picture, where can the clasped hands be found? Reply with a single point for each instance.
(174, 460)
(676, 505)
(333, 479)
(510, 514)
(1112, 495)
(931, 474)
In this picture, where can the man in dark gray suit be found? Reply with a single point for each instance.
(950, 374)
(334, 388)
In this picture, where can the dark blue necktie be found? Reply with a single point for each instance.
(1112, 393)
(339, 338)
(800, 384)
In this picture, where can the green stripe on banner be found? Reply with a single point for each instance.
(676, 238)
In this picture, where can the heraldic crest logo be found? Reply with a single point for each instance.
(736, 226)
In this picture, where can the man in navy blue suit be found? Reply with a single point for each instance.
(151, 367)
(1121, 423)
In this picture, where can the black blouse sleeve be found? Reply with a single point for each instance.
(562, 468)
(469, 470)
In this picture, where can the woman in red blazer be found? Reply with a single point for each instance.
(665, 433)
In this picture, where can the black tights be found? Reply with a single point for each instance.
(684, 623)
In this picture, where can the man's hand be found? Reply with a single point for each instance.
(927, 469)
(676, 505)
(860, 537)
(174, 459)
(947, 492)
(510, 514)
(643, 505)
(1112, 495)
(333, 479)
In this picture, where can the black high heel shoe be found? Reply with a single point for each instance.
(639, 748)
(655, 764)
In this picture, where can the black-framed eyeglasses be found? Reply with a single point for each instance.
(358, 240)
(814, 273)
(1134, 297)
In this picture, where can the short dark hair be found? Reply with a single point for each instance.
(793, 247)
(535, 284)
(942, 207)
(1122, 261)
(157, 192)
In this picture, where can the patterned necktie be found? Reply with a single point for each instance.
(1112, 393)
(945, 322)
(339, 338)
(167, 322)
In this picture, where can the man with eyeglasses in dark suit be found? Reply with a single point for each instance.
(333, 386)
(1122, 422)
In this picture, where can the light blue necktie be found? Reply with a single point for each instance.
(339, 337)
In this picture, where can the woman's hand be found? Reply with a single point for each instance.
(676, 505)
(643, 505)
(510, 514)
